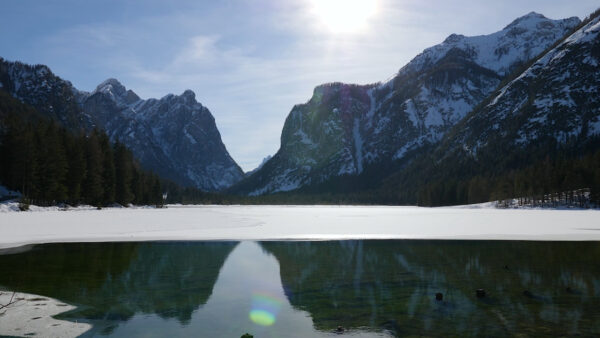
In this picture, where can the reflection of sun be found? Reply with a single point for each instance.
(344, 16)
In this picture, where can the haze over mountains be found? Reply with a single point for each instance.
(535, 80)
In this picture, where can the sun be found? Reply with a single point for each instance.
(344, 16)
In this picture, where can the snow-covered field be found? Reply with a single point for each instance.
(294, 223)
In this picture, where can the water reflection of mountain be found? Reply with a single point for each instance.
(114, 281)
(536, 288)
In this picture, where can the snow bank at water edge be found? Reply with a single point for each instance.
(23, 314)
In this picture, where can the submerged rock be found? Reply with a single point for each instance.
(439, 296)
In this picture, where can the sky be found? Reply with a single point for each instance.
(248, 61)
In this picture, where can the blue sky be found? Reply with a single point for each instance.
(248, 61)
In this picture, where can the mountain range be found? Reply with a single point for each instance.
(538, 131)
(174, 136)
(521, 92)
(345, 130)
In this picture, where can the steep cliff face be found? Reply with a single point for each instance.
(345, 129)
(175, 136)
(319, 138)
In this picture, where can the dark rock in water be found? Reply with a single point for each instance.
(527, 293)
(480, 293)
(247, 335)
(439, 296)
(572, 291)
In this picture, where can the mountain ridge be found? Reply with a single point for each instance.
(345, 128)
(175, 136)
(537, 134)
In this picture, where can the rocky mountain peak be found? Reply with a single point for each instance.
(529, 19)
(501, 51)
(111, 85)
(189, 94)
(117, 92)
(454, 38)
(188, 97)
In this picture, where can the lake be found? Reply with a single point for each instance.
(367, 288)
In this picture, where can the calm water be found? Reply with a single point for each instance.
(308, 289)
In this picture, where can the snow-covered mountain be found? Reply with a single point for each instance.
(537, 133)
(175, 136)
(554, 101)
(345, 129)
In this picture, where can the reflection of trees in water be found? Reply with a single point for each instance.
(114, 281)
(532, 287)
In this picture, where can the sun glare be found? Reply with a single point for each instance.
(345, 16)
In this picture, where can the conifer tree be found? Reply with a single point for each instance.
(108, 170)
(77, 167)
(52, 164)
(137, 183)
(93, 189)
(124, 174)
(156, 193)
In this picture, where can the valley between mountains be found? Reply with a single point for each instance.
(469, 120)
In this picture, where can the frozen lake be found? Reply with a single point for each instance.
(295, 223)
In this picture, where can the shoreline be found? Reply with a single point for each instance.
(32, 315)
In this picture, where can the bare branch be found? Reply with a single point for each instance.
(10, 301)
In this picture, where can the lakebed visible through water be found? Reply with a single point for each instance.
(315, 288)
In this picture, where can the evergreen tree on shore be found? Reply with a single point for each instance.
(51, 165)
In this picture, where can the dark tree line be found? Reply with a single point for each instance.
(50, 165)
(552, 181)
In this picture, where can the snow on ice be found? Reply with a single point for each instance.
(295, 223)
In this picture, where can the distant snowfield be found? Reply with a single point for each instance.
(294, 223)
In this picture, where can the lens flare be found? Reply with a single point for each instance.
(262, 317)
(264, 309)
